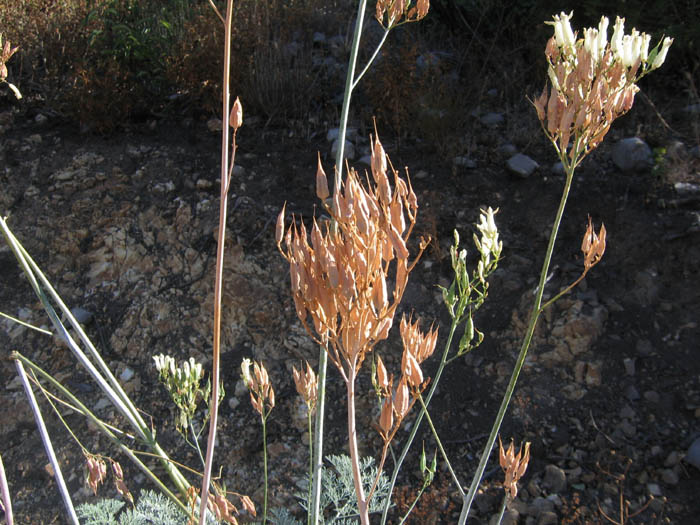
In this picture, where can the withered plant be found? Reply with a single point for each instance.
(339, 286)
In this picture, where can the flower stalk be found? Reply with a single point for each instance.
(593, 82)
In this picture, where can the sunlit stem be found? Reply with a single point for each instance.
(534, 315)
(5, 493)
(263, 417)
(216, 346)
(317, 468)
(352, 444)
(311, 466)
(419, 418)
(439, 443)
(58, 476)
(347, 95)
(158, 453)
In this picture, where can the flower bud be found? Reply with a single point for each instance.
(661, 55)
(245, 372)
(236, 117)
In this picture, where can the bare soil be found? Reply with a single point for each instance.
(124, 227)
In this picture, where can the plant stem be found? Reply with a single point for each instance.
(58, 476)
(5, 492)
(439, 443)
(264, 429)
(216, 346)
(415, 501)
(534, 315)
(158, 452)
(317, 467)
(311, 468)
(347, 95)
(352, 444)
(419, 418)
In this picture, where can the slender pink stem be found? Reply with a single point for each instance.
(352, 443)
(216, 350)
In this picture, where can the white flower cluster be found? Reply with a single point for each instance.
(628, 49)
(489, 245)
(190, 372)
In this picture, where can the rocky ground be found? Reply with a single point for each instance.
(125, 228)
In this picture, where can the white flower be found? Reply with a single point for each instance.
(602, 34)
(562, 30)
(489, 243)
(646, 39)
(661, 55)
(245, 372)
(590, 42)
(616, 40)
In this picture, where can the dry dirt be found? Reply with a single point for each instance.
(124, 227)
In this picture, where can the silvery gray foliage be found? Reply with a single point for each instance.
(338, 499)
(152, 508)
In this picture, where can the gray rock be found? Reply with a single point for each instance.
(695, 151)
(692, 457)
(81, 315)
(654, 489)
(554, 478)
(40, 118)
(332, 135)
(319, 38)
(348, 152)
(632, 154)
(127, 374)
(522, 165)
(540, 506)
(693, 109)
(629, 363)
(464, 162)
(492, 119)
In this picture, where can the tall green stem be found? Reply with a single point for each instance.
(534, 315)
(347, 95)
(316, 470)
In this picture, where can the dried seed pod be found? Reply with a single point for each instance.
(321, 181)
(236, 117)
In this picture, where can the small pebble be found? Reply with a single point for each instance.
(554, 478)
(692, 457)
(127, 374)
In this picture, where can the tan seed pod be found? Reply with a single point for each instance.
(321, 181)
(236, 117)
